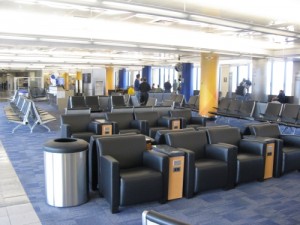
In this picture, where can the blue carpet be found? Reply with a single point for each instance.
(274, 201)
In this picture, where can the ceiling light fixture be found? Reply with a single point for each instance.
(18, 38)
(114, 44)
(157, 47)
(65, 41)
(144, 9)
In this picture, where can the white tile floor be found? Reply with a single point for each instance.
(15, 207)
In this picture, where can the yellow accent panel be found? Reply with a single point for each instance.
(66, 76)
(208, 86)
(109, 79)
(78, 75)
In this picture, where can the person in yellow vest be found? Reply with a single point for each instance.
(130, 90)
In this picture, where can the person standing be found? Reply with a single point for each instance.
(136, 86)
(175, 86)
(167, 86)
(144, 89)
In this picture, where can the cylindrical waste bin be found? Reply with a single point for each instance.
(65, 161)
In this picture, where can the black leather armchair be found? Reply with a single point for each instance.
(250, 155)
(122, 122)
(78, 126)
(187, 120)
(150, 122)
(207, 166)
(287, 147)
(129, 174)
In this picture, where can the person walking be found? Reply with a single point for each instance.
(175, 86)
(136, 86)
(144, 89)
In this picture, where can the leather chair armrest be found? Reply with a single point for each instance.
(115, 127)
(157, 218)
(141, 125)
(110, 181)
(189, 172)
(198, 120)
(94, 127)
(65, 130)
(290, 140)
(159, 162)
(222, 151)
(156, 161)
(252, 146)
(165, 121)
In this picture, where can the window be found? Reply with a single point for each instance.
(196, 78)
(279, 77)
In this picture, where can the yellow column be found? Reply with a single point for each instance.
(109, 85)
(208, 86)
(66, 77)
(78, 75)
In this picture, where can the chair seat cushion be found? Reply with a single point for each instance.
(212, 171)
(245, 164)
(83, 135)
(140, 184)
(291, 159)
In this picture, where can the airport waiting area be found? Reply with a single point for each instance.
(159, 163)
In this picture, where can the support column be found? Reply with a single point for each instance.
(123, 83)
(259, 79)
(78, 85)
(208, 86)
(186, 80)
(147, 72)
(109, 84)
(66, 77)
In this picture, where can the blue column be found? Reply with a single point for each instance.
(123, 83)
(186, 80)
(146, 72)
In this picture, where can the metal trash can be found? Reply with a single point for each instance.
(65, 161)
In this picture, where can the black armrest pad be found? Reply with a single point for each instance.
(224, 152)
(94, 127)
(156, 161)
(292, 140)
(165, 122)
(65, 130)
(252, 146)
(198, 120)
(110, 180)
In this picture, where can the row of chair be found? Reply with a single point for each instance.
(147, 122)
(215, 157)
(25, 113)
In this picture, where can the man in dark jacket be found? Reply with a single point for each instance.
(144, 89)
(167, 87)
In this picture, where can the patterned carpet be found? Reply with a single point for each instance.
(274, 201)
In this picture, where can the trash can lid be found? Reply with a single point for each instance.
(65, 145)
(168, 150)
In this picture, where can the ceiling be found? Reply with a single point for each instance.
(66, 34)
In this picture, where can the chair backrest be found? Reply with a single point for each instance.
(265, 130)
(228, 135)
(150, 116)
(185, 113)
(78, 122)
(92, 102)
(192, 100)
(151, 102)
(289, 113)
(155, 218)
(77, 102)
(127, 150)
(179, 100)
(160, 134)
(134, 101)
(223, 105)
(273, 111)
(234, 107)
(104, 103)
(247, 109)
(192, 140)
(123, 119)
(117, 101)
